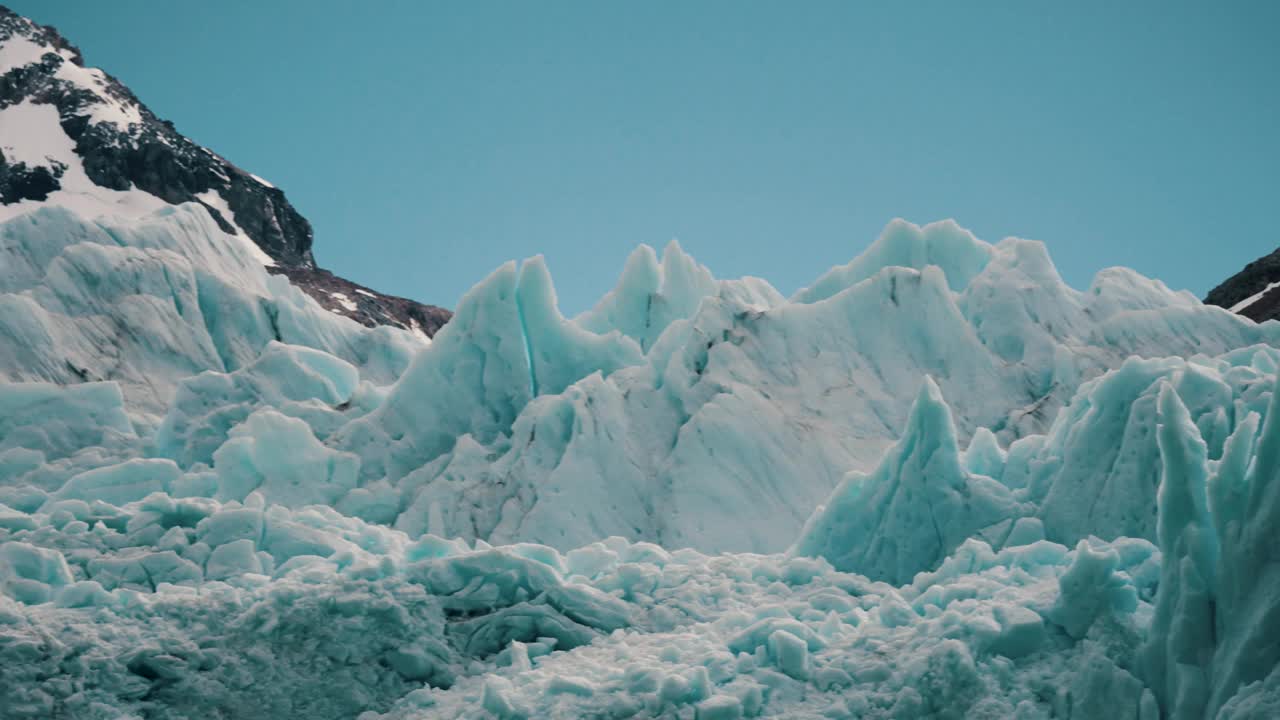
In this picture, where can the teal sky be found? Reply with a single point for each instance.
(428, 142)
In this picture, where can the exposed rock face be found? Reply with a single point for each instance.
(123, 146)
(149, 154)
(1254, 291)
(364, 305)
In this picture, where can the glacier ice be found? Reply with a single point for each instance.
(650, 296)
(150, 302)
(915, 509)
(436, 628)
(697, 499)
(1181, 634)
(279, 457)
(944, 245)
(56, 421)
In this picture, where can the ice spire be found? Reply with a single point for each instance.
(1182, 640)
(917, 506)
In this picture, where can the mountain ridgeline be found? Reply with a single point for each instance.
(123, 146)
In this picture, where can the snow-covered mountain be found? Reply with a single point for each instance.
(75, 137)
(1254, 291)
(936, 483)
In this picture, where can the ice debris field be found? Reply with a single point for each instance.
(937, 483)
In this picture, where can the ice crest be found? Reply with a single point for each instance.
(914, 509)
(210, 485)
(944, 245)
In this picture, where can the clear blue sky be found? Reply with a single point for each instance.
(430, 141)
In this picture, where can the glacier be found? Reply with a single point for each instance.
(938, 482)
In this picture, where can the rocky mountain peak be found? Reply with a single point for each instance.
(109, 154)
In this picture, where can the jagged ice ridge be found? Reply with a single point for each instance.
(698, 499)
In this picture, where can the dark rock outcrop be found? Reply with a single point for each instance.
(147, 153)
(1255, 278)
(150, 155)
(363, 305)
(18, 181)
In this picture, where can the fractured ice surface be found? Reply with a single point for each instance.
(147, 303)
(917, 507)
(936, 483)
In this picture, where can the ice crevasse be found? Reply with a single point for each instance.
(698, 499)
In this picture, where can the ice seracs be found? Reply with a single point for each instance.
(650, 296)
(775, 400)
(149, 302)
(698, 499)
(913, 510)
(517, 406)
(944, 245)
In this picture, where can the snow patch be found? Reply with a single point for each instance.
(214, 199)
(1253, 298)
(108, 109)
(19, 52)
(31, 133)
(416, 329)
(344, 301)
